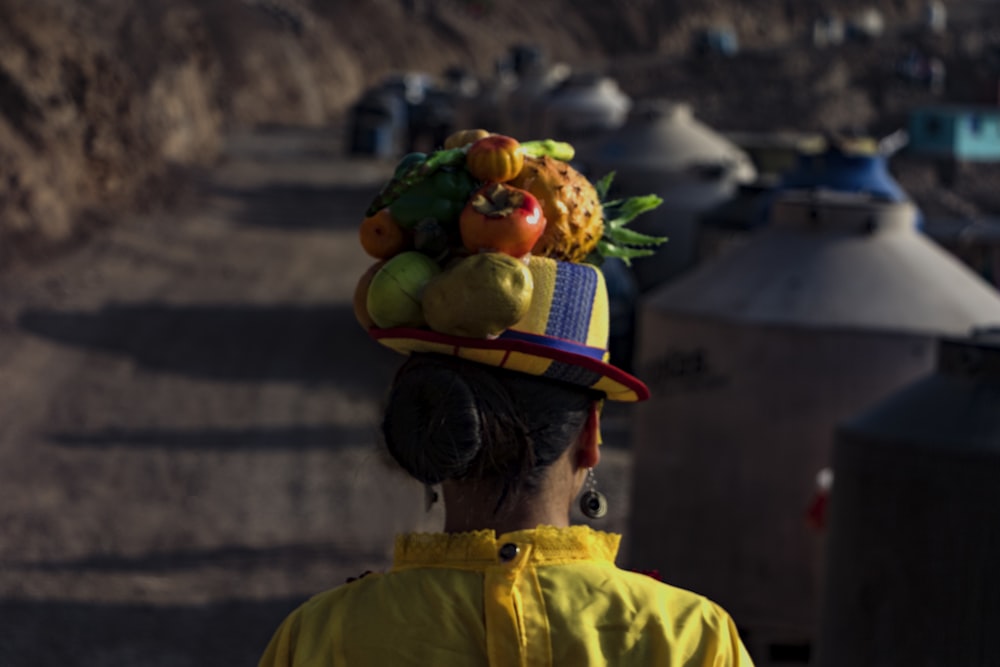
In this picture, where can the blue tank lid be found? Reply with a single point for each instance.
(843, 171)
(836, 169)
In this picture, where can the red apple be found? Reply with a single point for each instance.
(501, 218)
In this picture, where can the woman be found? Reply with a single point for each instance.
(510, 429)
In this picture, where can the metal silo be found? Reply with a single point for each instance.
(843, 165)
(912, 574)
(520, 109)
(663, 149)
(753, 358)
(974, 240)
(846, 168)
(583, 106)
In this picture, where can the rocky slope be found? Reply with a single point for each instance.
(94, 105)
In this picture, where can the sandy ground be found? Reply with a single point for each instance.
(188, 416)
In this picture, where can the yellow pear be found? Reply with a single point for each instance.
(478, 297)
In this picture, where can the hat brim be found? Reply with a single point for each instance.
(541, 355)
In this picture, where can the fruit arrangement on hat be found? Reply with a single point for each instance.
(460, 234)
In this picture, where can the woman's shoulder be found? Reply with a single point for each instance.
(675, 608)
(650, 616)
(651, 584)
(679, 603)
(372, 591)
(325, 602)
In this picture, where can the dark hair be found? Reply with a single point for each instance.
(452, 419)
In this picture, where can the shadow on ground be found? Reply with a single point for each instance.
(307, 344)
(39, 633)
(299, 206)
(73, 634)
(288, 438)
(286, 557)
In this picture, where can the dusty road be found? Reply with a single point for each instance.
(188, 420)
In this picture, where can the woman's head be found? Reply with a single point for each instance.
(452, 420)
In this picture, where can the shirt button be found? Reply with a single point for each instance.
(509, 551)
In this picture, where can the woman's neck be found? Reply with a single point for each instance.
(467, 509)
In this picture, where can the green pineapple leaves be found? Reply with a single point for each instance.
(604, 185)
(619, 241)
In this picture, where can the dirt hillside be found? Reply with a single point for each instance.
(101, 101)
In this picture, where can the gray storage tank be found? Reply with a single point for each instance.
(976, 241)
(752, 359)
(913, 559)
(583, 106)
(663, 149)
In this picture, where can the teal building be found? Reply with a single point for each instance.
(963, 133)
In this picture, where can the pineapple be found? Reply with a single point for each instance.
(573, 211)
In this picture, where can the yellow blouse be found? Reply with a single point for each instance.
(547, 596)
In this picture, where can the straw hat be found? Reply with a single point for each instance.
(564, 335)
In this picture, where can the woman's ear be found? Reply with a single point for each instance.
(588, 453)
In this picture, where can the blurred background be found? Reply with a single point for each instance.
(189, 409)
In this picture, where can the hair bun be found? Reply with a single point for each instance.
(432, 426)
(449, 418)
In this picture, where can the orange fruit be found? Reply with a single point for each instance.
(495, 159)
(381, 236)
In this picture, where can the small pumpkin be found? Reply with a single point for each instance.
(495, 159)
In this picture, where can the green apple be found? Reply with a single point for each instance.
(395, 292)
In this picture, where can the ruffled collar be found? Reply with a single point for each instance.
(479, 549)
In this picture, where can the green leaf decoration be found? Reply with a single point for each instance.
(603, 185)
(625, 212)
(415, 172)
(623, 236)
(617, 241)
(624, 253)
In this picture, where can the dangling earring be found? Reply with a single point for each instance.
(593, 504)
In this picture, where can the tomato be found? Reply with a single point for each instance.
(496, 158)
(501, 218)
